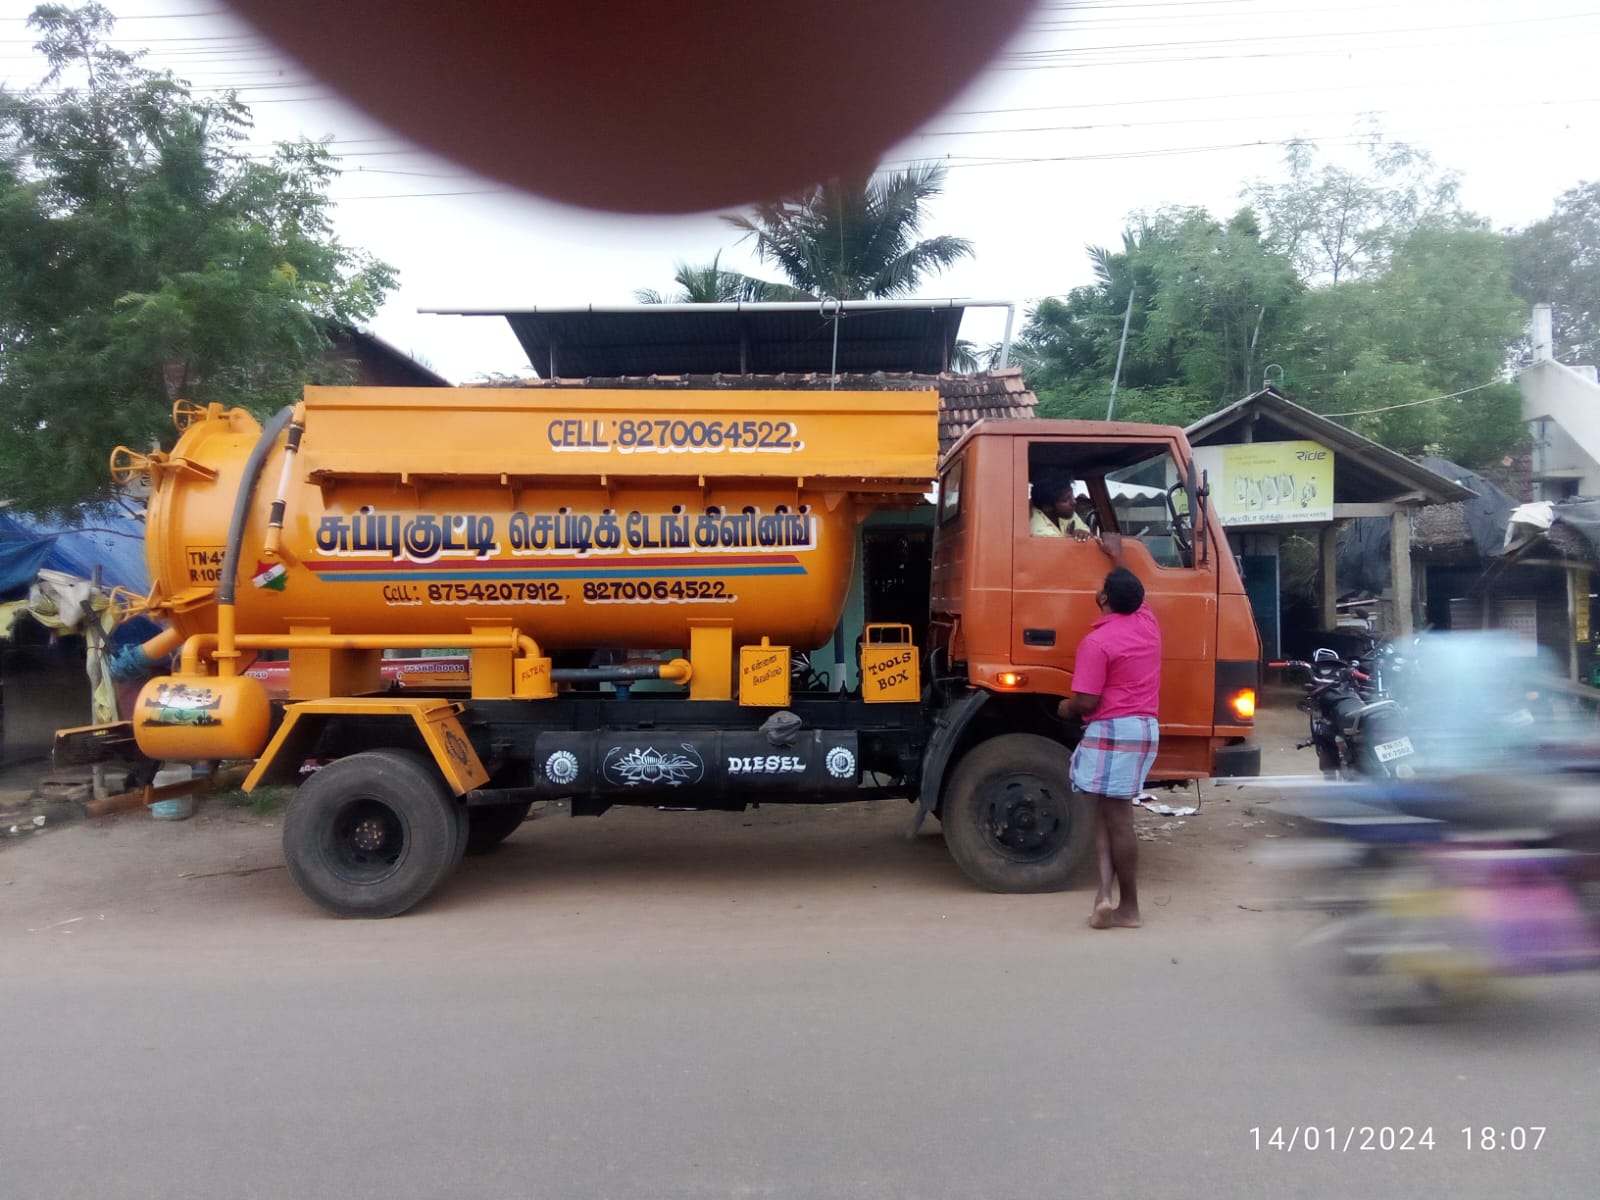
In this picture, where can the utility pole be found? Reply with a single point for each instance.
(1116, 375)
(1250, 355)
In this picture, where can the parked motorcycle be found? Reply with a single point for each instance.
(1356, 732)
(1434, 889)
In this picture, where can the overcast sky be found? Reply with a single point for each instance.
(1098, 109)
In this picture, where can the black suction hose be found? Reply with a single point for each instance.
(243, 499)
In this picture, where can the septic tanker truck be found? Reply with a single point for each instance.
(647, 589)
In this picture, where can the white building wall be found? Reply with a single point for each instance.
(1562, 406)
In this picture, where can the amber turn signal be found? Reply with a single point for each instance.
(1243, 704)
(1011, 679)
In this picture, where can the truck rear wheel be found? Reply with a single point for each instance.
(372, 834)
(490, 824)
(1011, 819)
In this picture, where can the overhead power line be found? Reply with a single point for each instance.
(1320, 35)
(1367, 412)
(1251, 116)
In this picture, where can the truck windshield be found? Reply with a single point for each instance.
(1152, 505)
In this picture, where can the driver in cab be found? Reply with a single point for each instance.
(1054, 511)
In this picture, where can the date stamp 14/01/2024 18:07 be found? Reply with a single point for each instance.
(1312, 1139)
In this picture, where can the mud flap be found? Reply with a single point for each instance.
(436, 720)
(947, 731)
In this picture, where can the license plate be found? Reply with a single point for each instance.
(1389, 751)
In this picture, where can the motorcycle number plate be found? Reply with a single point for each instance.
(1389, 751)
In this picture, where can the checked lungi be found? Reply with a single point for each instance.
(1115, 756)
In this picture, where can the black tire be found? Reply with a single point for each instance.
(459, 810)
(1011, 819)
(372, 834)
(1363, 966)
(490, 824)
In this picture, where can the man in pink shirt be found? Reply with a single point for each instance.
(1116, 687)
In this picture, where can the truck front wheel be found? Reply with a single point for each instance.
(1011, 819)
(371, 834)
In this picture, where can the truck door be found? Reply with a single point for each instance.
(1136, 489)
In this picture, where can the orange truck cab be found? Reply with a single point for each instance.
(1009, 606)
(632, 583)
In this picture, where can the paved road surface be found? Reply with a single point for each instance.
(784, 1003)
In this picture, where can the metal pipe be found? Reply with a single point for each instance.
(194, 649)
(163, 644)
(836, 316)
(677, 670)
(375, 641)
(227, 652)
(1005, 338)
(497, 796)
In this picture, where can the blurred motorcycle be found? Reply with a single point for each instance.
(1433, 889)
(1479, 863)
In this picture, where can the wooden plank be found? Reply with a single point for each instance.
(1343, 512)
(1329, 547)
(1400, 563)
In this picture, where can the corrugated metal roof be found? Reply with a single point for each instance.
(737, 339)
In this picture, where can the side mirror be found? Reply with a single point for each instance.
(1199, 488)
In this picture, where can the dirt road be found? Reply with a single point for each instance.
(785, 1002)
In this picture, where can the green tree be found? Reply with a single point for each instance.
(143, 257)
(1440, 319)
(710, 284)
(1219, 288)
(1386, 305)
(1207, 297)
(1337, 224)
(1557, 261)
(854, 239)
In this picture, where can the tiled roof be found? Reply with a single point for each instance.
(964, 400)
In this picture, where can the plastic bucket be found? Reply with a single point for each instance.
(178, 808)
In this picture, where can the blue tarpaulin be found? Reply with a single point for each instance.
(109, 538)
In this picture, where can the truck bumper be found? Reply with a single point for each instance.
(1239, 759)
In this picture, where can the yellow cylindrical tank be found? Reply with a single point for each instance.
(199, 717)
(581, 518)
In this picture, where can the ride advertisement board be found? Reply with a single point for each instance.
(1269, 483)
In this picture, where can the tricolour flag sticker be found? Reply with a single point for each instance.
(271, 575)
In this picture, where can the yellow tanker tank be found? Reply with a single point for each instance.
(575, 518)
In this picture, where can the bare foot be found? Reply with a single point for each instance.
(1106, 917)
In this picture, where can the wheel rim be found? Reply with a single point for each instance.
(366, 841)
(1024, 819)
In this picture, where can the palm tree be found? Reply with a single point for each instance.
(854, 239)
(710, 284)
